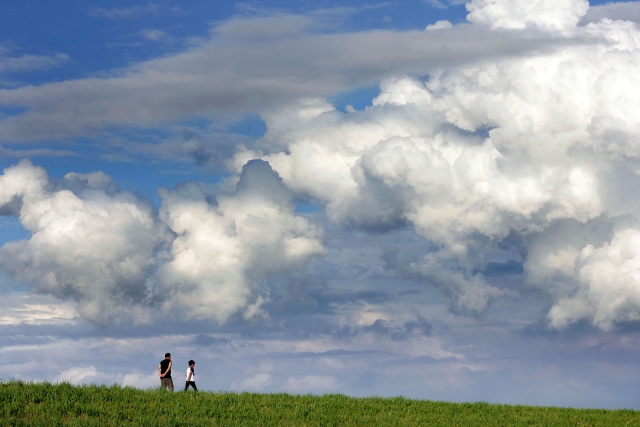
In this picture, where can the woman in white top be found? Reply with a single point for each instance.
(191, 376)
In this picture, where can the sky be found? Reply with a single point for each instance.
(432, 199)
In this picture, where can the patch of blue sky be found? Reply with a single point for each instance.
(307, 206)
(358, 98)
(11, 229)
(139, 172)
(412, 15)
(98, 36)
(504, 268)
(251, 126)
(480, 134)
(8, 111)
(142, 177)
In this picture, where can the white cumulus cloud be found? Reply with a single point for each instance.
(518, 14)
(504, 149)
(101, 248)
(222, 252)
(87, 241)
(608, 284)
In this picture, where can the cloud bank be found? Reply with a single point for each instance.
(484, 154)
(108, 250)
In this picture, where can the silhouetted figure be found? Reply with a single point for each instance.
(164, 370)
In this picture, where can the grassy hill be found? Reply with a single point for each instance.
(65, 405)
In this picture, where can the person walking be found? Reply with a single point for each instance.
(164, 370)
(191, 378)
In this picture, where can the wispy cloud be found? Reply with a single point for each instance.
(7, 152)
(156, 35)
(439, 4)
(24, 63)
(29, 310)
(436, 3)
(134, 12)
(246, 66)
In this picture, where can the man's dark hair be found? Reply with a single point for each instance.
(191, 362)
(167, 355)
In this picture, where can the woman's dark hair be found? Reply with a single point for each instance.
(191, 362)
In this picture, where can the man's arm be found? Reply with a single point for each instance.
(189, 376)
(159, 372)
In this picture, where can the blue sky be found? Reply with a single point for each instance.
(430, 199)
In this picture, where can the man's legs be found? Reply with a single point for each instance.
(192, 384)
(166, 383)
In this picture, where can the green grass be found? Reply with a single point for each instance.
(66, 405)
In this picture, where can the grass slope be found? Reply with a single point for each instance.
(65, 405)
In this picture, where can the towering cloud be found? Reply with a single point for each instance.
(506, 149)
(223, 251)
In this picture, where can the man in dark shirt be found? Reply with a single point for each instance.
(164, 370)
